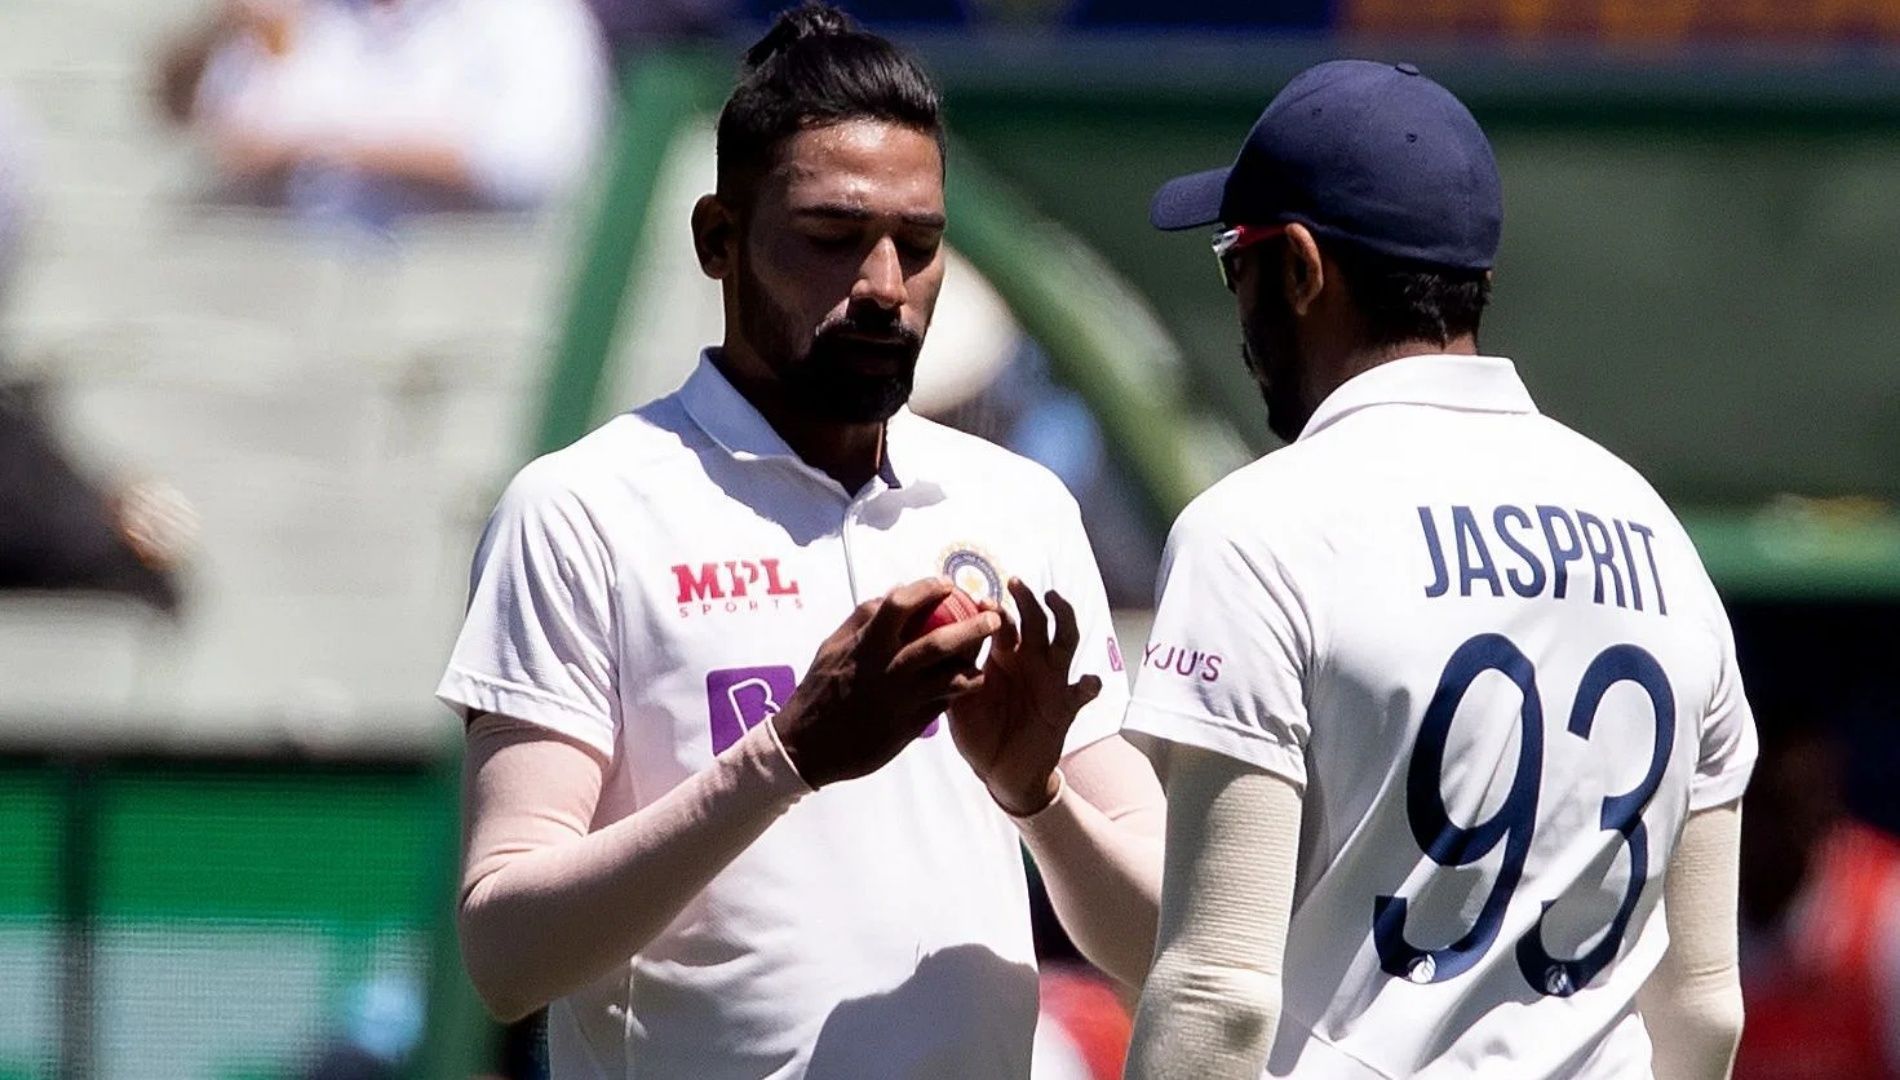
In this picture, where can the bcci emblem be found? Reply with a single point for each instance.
(973, 572)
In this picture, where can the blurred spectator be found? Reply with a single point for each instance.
(1821, 948)
(365, 110)
(57, 530)
(1821, 850)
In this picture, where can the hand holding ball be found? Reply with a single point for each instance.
(949, 611)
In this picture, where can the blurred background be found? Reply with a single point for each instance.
(289, 288)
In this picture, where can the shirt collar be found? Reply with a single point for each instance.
(725, 415)
(1471, 383)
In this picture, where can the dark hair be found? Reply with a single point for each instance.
(1404, 301)
(815, 67)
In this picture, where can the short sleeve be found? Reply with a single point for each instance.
(1076, 576)
(1728, 748)
(536, 644)
(1225, 666)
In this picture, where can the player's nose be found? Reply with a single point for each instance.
(881, 277)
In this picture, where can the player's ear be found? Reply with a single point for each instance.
(715, 236)
(1305, 270)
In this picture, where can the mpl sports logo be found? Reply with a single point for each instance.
(734, 586)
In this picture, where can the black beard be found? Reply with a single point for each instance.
(1276, 370)
(823, 382)
(826, 382)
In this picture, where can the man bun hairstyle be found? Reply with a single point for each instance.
(802, 23)
(816, 67)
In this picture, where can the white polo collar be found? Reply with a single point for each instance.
(1470, 383)
(725, 415)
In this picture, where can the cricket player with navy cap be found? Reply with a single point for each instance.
(1446, 707)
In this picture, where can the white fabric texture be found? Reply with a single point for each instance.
(1692, 1005)
(1728, 748)
(654, 592)
(1489, 655)
(1209, 1010)
(1249, 704)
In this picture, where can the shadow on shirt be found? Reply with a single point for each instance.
(966, 1012)
(763, 484)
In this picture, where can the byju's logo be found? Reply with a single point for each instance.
(734, 585)
(740, 699)
(1182, 661)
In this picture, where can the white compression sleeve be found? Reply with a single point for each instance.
(1692, 1003)
(1098, 846)
(547, 905)
(1212, 1002)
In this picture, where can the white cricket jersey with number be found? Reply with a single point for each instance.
(661, 586)
(1488, 654)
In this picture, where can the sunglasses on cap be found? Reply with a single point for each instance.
(1229, 242)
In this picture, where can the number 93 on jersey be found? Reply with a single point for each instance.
(1514, 824)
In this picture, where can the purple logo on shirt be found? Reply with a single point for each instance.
(739, 699)
(1182, 661)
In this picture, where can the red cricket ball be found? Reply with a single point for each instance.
(949, 611)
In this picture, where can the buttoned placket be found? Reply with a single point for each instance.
(858, 502)
(732, 422)
(853, 508)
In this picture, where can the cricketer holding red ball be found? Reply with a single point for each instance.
(710, 813)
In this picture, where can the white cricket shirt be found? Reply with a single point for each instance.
(1489, 655)
(661, 586)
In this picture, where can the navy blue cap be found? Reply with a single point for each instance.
(1376, 154)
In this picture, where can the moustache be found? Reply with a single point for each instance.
(863, 334)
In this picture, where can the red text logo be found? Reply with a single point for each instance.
(732, 579)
